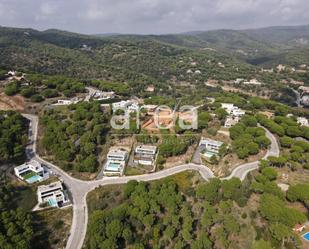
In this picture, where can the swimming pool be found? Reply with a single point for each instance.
(209, 154)
(113, 167)
(52, 202)
(35, 178)
(306, 236)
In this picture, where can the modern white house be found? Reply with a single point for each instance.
(130, 105)
(145, 154)
(67, 101)
(302, 121)
(31, 172)
(233, 110)
(230, 121)
(239, 80)
(99, 95)
(52, 194)
(252, 82)
(209, 147)
(116, 162)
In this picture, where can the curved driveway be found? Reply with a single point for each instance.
(79, 188)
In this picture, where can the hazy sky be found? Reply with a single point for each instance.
(151, 16)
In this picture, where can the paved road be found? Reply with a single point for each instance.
(242, 170)
(79, 188)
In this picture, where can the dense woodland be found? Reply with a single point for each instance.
(214, 214)
(73, 135)
(16, 229)
(13, 136)
(248, 139)
(38, 87)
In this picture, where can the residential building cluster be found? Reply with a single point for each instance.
(234, 114)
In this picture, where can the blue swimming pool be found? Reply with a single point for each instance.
(33, 179)
(306, 236)
(52, 202)
(113, 167)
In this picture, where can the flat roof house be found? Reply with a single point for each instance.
(117, 155)
(145, 154)
(31, 172)
(209, 147)
(116, 162)
(230, 121)
(99, 95)
(231, 109)
(52, 194)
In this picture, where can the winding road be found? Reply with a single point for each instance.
(79, 188)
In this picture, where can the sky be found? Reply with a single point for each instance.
(151, 16)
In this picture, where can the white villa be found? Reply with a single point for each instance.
(209, 147)
(252, 82)
(230, 121)
(52, 194)
(99, 95)
(31, 172)
(145, 154)
(302, 121)
(130, 105)
(233, 110)
(116, 162)
(67, 101)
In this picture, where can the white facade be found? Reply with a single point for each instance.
(233, 110)
(231, 121)
(130, 105)
(32, 166)
(99, 95)
(302, 121)
(210, 145)
(145, 154)
(67, 101)
(116, 161)
(253, 82)
(52, 193)
(237, 81)
(119, 155)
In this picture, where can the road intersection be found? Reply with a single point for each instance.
(79, 188)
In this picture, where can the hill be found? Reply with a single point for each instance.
(121, 58)
(156, 59)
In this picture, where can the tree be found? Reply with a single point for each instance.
(270, 173)
(203, 120)
(261, 244)
(209, 191)
(253, 148)
(221, 113)
(286, 141)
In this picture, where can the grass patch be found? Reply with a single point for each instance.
(29, 175)
(132, 171)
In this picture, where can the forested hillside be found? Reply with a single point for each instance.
(150, 58)
(13, 136)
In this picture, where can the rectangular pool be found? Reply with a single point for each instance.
(33, 179)
(306, 236)
(113, 167)
(52, 202)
